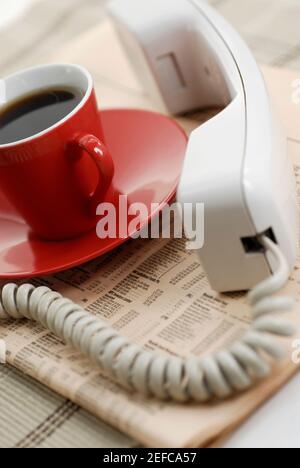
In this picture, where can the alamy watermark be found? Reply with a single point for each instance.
(178, 220)
(296, 352)
(2, 352)
(296, 91)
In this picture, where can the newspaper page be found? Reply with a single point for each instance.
(270, 28)
(154, 292)
(33, 416)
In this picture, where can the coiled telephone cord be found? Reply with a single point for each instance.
(198, 379)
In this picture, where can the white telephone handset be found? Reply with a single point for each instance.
(236, 163)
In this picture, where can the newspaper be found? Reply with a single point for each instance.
(33, 416)
(271, 28)
(153, 291)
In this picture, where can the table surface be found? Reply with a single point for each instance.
(271, 28)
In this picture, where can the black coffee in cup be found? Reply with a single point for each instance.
(32, 113)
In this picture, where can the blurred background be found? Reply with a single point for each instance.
(32, 29)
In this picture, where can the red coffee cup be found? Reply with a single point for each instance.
(56, 178)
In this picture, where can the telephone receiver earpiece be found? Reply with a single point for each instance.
(190, 58)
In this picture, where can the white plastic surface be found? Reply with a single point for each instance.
(191, 58)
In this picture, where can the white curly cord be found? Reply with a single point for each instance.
(152, 374)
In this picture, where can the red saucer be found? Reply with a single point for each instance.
(148, 151)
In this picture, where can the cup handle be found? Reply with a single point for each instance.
(92, 146)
